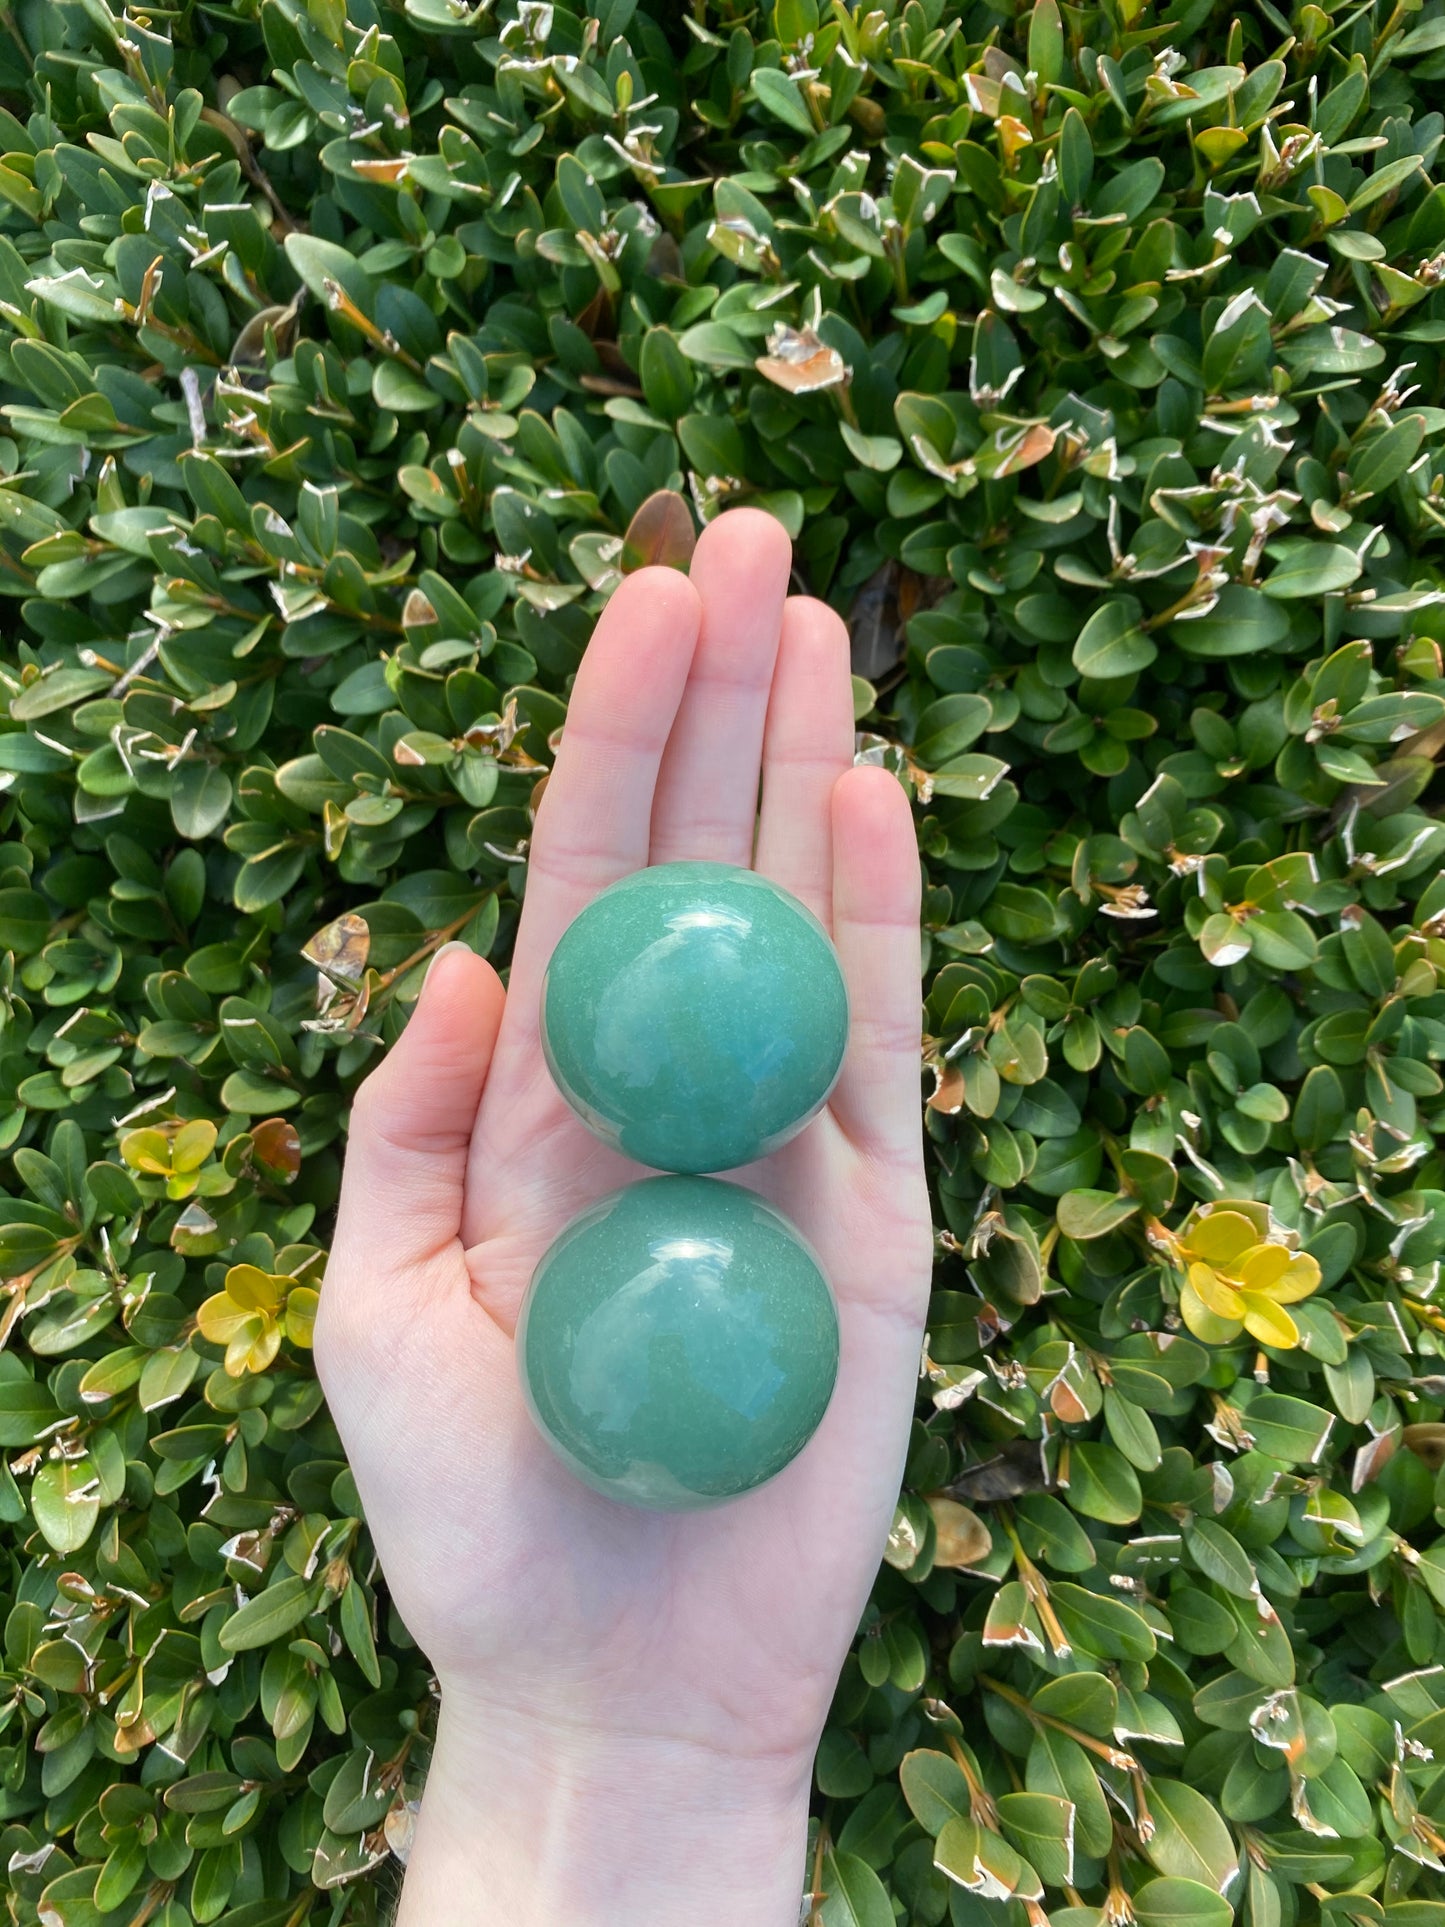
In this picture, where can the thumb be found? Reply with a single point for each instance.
(412, 1120)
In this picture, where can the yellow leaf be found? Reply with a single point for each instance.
(1221, 1236)
(962, 1537)
(147, 1150)
(1270, 1323)
(1204, 1323)
(193, 1144)
(220, 1318)
(256, 1289)
(1218, 144)
(1214, 1293)
(301, 1314)
(255, 1344)
(266, 1346)
(1298, 1280)
(1258, 1270)
(1013, 134)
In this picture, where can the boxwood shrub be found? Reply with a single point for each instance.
(1092, 355)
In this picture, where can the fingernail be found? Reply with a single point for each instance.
(455, 944)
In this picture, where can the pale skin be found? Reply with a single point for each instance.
(631, 1701)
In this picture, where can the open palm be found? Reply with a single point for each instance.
(543, 1607)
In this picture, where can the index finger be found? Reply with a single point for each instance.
(594, 821)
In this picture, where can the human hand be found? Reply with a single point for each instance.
(631, 1701)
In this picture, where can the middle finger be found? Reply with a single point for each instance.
(706, 801)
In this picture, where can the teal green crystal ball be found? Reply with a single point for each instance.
(694, 1015)
(678, 1343)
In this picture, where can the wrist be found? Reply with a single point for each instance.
(523, 1824)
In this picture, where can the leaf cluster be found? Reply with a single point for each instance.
(1092, 355)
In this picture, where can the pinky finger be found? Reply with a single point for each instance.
(876, 894)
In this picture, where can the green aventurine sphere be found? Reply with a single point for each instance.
(694, 1015)
(678, 1343)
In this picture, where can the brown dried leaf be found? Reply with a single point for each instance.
(341, 1010)
(196, 1219)
(128, 1740)
(610, 385)
(875, 623)
(660, 534)
(1013, 134)
(1033, 445)
(277, 1147)
(665, 263)
(596, 320)
(1065, 1403)
(249, 348)
(341, 948)
(417, 611)
(388, 172)
(399, 1827)
(515, 757)
(947, 1096)
(984, 94)
(798, 361)
(1427, 1442)
(1018, 1469)
(963, 1538)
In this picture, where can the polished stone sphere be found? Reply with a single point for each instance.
(678, 1343)
(694, 1016)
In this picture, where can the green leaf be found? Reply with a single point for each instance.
(1041, 1827)
(667, 377)
(1311, 569)
(66, 1502)
(1220, 1557)
(855, 1896)
(934, 1787)
(270, 1615)
(1385, 180)
(25, 921)
(1172, 1902)
(1369, 953)
(1190, 1841)
(881, 452)
(358, 1797)
(26, 1411)
(200, 799)
(354, 1618)
(1243, 622)
(1385, 456)
(58, 690)
(1289, 1428)
(1103, 1485)
(325, 267)
(1282, 940)
(1236, 354)
(779, 93)
(1132, 1430)
(1098, 1625)
(1087, 1700)
(1111, 643)
(1052, 1535)
(1092, 1214)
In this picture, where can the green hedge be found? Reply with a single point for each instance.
(1092, 355)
